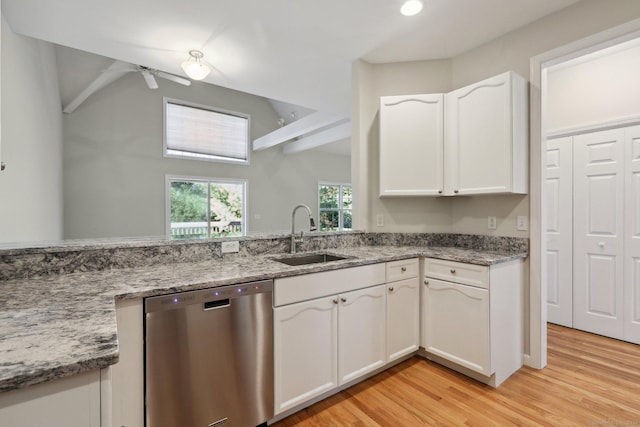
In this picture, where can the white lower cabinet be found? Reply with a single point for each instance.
(361, 332)
(458, 324)
(335, 327)
(67, 402)
(326, 342)
(305, 337)
(473, 317)
(403, 308)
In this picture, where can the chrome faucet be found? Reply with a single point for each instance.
(312, 227)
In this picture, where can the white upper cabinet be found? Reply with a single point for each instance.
(486, 135)
(411, 151)
(470, 141)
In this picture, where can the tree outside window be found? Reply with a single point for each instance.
(335, 202)
(202, 209)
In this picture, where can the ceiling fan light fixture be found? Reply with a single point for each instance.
(411, 7)
(194, 67)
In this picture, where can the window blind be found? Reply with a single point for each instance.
(192, 130)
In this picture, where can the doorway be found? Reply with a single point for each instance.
(590, 112)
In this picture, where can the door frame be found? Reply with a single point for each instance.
(537, 357)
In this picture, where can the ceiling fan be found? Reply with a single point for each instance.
(117, 70)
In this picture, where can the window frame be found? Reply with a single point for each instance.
(208, 180)
(340, 209)
(204, 157)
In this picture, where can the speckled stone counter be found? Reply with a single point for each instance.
(57, 325)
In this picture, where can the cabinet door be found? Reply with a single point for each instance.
(486, 137)
(305, 351)
(456, 322)
(411, 145)
(403, 318)
(361, 332)
(67, 402)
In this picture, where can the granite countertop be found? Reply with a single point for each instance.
(65, 324)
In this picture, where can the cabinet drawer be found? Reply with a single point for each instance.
(403, 269)
(459, 272)
(309, 286)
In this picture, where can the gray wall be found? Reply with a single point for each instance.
(114, 169)
(31, 186)
(510, 52)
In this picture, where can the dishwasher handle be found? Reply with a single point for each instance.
(215, 304)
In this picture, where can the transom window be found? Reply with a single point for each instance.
(335, 202)
(204, 133)
(205, 208)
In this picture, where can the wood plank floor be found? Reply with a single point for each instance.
(589, 381)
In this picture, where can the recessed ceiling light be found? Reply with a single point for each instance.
(411, 7)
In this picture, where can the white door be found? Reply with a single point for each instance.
(457, 324)
(411, 145)
(361, 332)
(632, 235)
(305, 351)
(559, 216)
(403, 318)
(598, 204)
(478, 138)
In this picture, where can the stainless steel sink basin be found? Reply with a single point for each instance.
(309, 259)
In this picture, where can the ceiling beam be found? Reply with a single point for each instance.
(108, 76)
(328, 136)
(302, 126)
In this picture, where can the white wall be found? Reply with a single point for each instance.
(510, 52)
(401, 214)
(31, 186)
(114, 169)
(597, 88)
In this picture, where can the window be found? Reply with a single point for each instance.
(335, 202)
(203, 208)
(198, 132)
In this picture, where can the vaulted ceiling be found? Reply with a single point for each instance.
(296, 51)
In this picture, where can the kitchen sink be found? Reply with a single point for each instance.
(309, 259)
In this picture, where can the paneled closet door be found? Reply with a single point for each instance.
(559, 183)
(632, 235)
(598, 206)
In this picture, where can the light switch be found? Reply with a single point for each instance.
(492, 223)
(522, 223)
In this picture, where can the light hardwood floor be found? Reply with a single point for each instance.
(589, 381)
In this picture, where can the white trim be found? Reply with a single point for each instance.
(167, 198)
(203, 157)
(593, 127)
(537, 356)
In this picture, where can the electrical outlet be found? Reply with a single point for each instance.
(230, 247)
(380, 220)
(522, 223)
(492, 223)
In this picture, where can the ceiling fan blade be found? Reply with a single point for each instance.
(151, 81)
(173, 78)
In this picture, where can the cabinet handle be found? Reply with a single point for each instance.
(453, 271)
(439, 191)
(391, 289)
(426, 282)
(343, 299)
(403, 269)
(335, 300)
(455, 191)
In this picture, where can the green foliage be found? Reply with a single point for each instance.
(188, 202)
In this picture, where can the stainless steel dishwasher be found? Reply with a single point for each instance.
(209, 357)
